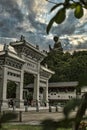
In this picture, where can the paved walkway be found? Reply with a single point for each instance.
(35, 118)
(39, 116)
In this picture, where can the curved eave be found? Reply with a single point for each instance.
(15, 57)
(16, 43)
(47, 70)
(11, 55)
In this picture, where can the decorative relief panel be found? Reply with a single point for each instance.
(19, 49)
(44, 74)
(30, 65)
(31, 53)
(13, 74)
(13, 63)
(1, 62)
(41, 81)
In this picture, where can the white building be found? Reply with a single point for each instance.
(58, 92)
(61, 92)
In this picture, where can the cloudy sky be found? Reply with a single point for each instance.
(30, 18)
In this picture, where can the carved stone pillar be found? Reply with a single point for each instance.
(19, 91)
(1, 85)
(47, 102)
(45, 95)
(4, 88)
(17, 94)
(36, 90)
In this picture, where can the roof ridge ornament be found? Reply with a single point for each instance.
(37, 47)
(22, 38)
(5, 47)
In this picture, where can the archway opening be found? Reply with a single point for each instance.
(28, 88)
(11, 89)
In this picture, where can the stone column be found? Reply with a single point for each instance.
(36, 90)
(1, 74)
(45, 94)
(4, 88)
(19, 92)
(36, 87)
(21, 89)
(47, 102)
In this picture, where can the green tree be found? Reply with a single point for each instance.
(69, 68)
(77, 7)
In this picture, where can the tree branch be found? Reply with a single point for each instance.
(51, 2)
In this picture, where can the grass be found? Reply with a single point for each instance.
(26, 127)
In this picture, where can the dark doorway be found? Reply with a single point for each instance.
(29, 86)
(11, 89)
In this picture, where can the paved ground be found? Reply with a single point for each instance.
(35, 118)
(39, 116)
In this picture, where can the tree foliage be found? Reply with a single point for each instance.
(77, 7)
(67, 67)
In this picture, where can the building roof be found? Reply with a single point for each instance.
(57, 84)
(47, 70)
(63, 84)
(11, 52)
(1, 47)
(28, 44)
(10, 48)
(15, 57)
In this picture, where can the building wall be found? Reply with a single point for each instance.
(62, 96)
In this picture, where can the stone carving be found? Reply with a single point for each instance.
(22, 38)
(37, 47)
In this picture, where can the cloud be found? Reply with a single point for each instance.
(21, 15)
(10, 9)
(10, 16)
(29, 18)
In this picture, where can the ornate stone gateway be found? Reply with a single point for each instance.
(15, 59)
